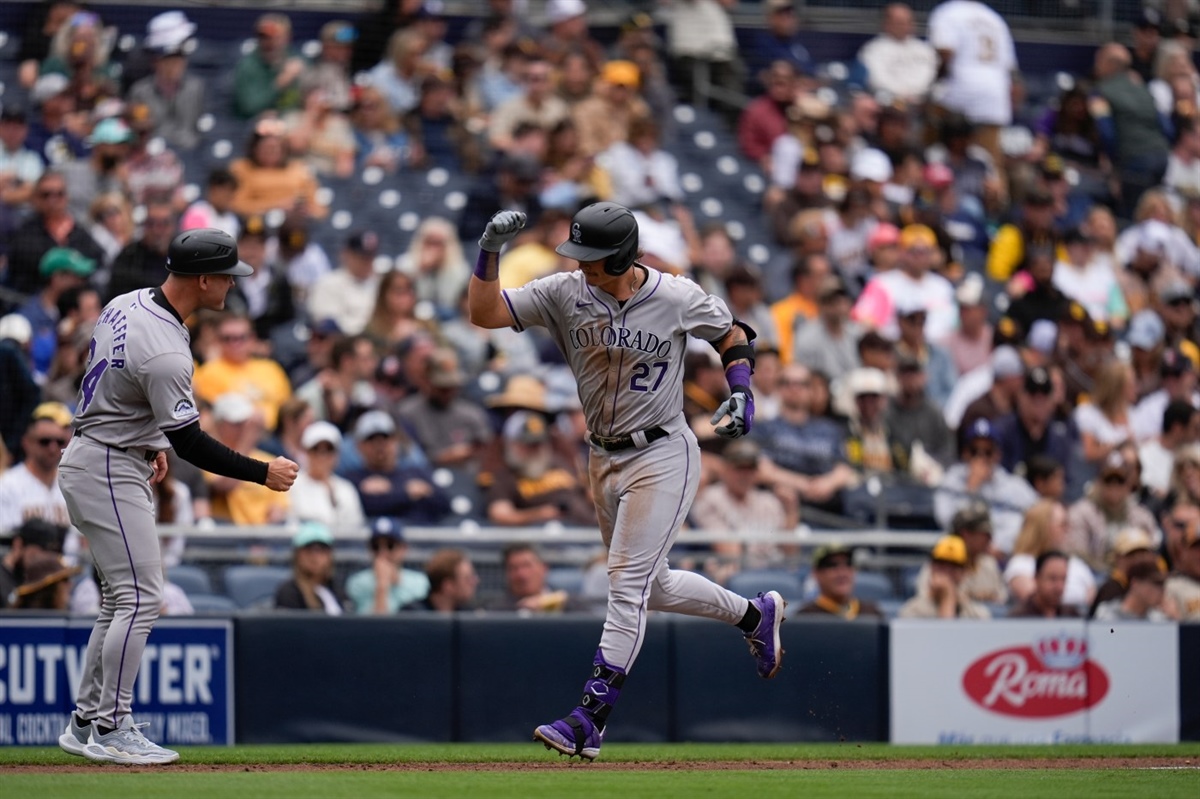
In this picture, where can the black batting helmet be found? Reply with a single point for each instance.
(206, 251)
(603, 231)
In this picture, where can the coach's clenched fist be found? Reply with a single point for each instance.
(281, 473)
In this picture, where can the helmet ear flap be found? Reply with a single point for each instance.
(619, 262)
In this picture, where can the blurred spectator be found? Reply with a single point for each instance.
(1133, 545)
(437, 132)
(944, 597)
(264, 295)
(1090, 281)
(911, 319)
(430, 21)
(870, 446)
(62, 269)
(268, 77)
(174, 98)
(42, 24)
(110, 224)
(21, 391)
(341, 390)
(834, 571)
(237, 371)
(1151, 256)
(1144, 600)
(779, 40)
(347, 293)
(20, 167)
(331, 71)
(30, 540)
(607, 117)
(451, 429)
(810, 275)
(734, 505)
(1015, 243)
(1050, 581)
(379, 139)
(47, 584)
(295, 416)
(977, 61)
(168, 32)
(1145, 338)
(912, 282)
(1146, 32)
(30, 489)
(80, 51)
(320, 134)
(398, 77)
(537, 104)
(435, 260)
(987, 391)
(1033, 428)
(235, 501)
(1045, 529)
(1185, 475)
(323, 496)
(981, 581)
(1183, 164)
(829, 343)
(765, 117)
(979, 475)
(269, 178)
(513, 186)
(143, 262)
(57, 132)
(703, 50)
(78, 310)
(387, 487)
(537, 486)
(1180, 426)
(105, 170)
(642, 172)
(301, 258)
(566, 21)
(525, 588)
(50, 225)
(1129, 124)
(1108, 506)
(215, 208)
(312, 586)
(744, 295)
(1183, 586)
(1176, 85)
(394, 317)
(386, 586)
(805, 454)
(915, 422)
(452, 583)
(1104, 422)
(896, 61)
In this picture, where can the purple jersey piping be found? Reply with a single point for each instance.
(137, 593)
(611, 323)
(516, 322)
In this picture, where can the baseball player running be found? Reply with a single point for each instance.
(622, 327)
(135, 401)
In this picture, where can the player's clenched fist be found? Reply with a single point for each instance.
(502, 229)
(740, 410)
(281, 473)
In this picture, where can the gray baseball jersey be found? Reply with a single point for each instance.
(138, 381)
(627, 359)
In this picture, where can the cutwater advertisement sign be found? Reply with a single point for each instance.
(184, 688)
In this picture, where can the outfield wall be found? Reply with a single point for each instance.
(299, 678)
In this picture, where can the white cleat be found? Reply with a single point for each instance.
(127, 745)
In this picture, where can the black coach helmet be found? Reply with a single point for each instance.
(206, 251)
(603, 231)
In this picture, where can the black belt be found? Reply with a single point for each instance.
(147, 454)
(618, 443)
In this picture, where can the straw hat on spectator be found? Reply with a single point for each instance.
(521, 391)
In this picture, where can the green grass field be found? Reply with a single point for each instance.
(625, 771)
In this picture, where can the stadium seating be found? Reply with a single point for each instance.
(212, 603)
(873, 586)
(750, 583)
(565, 579)
(192, 579)
(254, 586)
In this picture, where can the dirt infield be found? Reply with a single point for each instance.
(865, 764)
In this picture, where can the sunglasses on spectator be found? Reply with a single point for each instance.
(378, 437)
(1114, 479)
(986, 451)
(1171, 520)
(322, 449)
(235, 338)
(52, 193)
(48, 440)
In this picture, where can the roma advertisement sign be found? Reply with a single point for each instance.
(1019, 681)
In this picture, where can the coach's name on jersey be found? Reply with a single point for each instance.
(119, 322)
(623, 337)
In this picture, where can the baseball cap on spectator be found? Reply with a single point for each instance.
(140, 117)
(1037, 381)
(1039, 198)
(1175, 363)
(387, 527)
(15, 327)
(907, 362)
(562, 10)
(166, 32)
(780, 5)
(44, 570)
(1114, 463)
(918, 236)
(1097, 329)
(970, 291)
(363, 242)
(374, 423)
(885, 234)
(981, 428)
(521, 391)
(742, 452)
(1006, 362)
(271, 25)
(325, 328)
(621, 73)
(320, 432)
(972, 517)
(1175, 291)
(1153, 236)
(1132, 539)
(1053, 167)
(949, 549)
(339, 31)
(1149, 19)
(11, 112)
(824, 555)
(443, 371)
(41, 533)
(1146, 571)
(867, 380)
(53, 411)
(522, 166)
(831, 286)
(871, 164)
(909, 305)
(938, 175)
(1043, 336)
(49, 86)
(637, 21)
(110, 131)
(253, 226)
(65, 259)
(526, 427)
(233, 408)
(1146, 330)
(310, 533)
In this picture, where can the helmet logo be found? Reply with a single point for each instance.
(576, 233)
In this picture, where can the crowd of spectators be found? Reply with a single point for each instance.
(984, 299)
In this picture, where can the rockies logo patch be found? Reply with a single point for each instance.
(184, 409)
(576, 234)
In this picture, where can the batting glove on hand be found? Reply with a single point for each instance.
(740, 410)
(502, 229)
